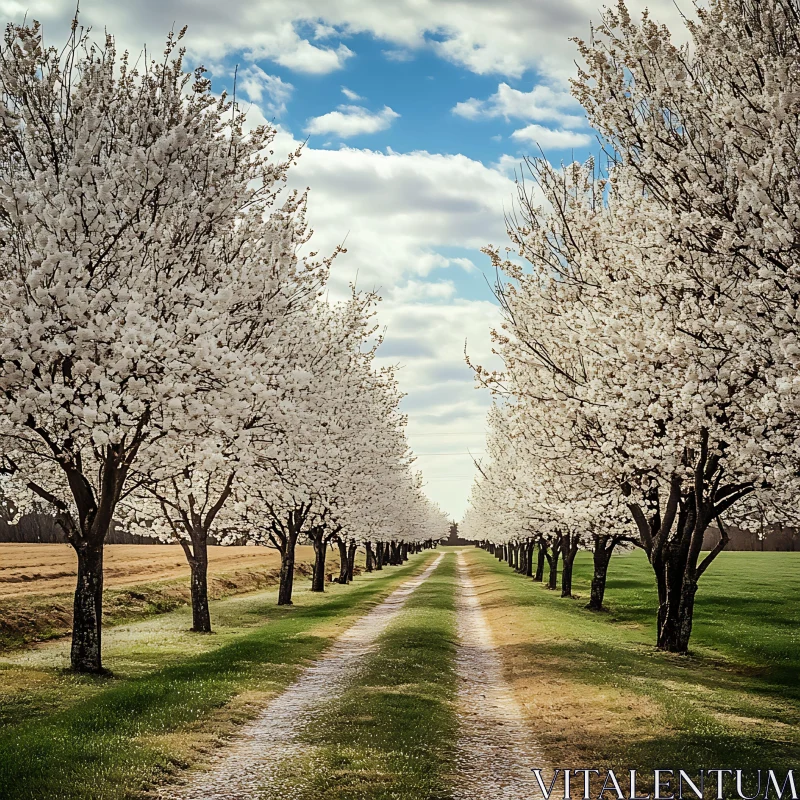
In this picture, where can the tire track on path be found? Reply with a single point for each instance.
(244, 769)
(496, 750)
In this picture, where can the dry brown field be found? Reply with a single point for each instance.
(37, 582)
(50, 569)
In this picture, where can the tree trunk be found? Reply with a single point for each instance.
(676, 630)
(552, 560)
(201, 616)
(603, 548)
(287, 568)
(540, 559)
(379, 555)
(87, 620)
(529, 559)
(351, 560)
(342, 545)
(320, 553)
(370, 556)
(673, 539)
(677, 602)
(569, 549)
(674, 567)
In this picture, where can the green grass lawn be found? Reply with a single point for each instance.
(172, 693)
(390, 735)
(605, 695)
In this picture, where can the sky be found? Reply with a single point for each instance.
(415, 116)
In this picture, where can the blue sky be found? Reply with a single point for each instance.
(416, 114)
(422, 90)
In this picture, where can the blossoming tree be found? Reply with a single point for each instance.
(120, 192)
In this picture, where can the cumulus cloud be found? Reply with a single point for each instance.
(306, 57)
(423, 290)
(322, 31)
(398, 215)
(399, 211)
(547, 137)
(542, 103)
(395, 213)
(446, 413)
(256, 83)
(484, 36)
(349, 121)
(510, 166)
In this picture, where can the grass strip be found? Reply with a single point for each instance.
(128, 732)
(391, 734)
(598, 692)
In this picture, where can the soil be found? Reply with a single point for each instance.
(49, 569)
(496, 750)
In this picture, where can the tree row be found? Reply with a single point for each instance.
(651, 307)
(169, 356)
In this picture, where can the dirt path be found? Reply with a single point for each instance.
(496, 750)
(246, 769)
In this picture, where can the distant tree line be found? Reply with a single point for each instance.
(775, 539)
(40, 528)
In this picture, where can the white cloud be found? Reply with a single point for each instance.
(305, 57)
(484, 36)
(351, 95)
(414, 290)
(480, 57)
(349, 121)
(255, 83)
(398, 211)
(447, 415)
(470, 109)
(541, 103)
(464, 263)
(511, 166)
(398, 214)
(322, 31)
(546, 137)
